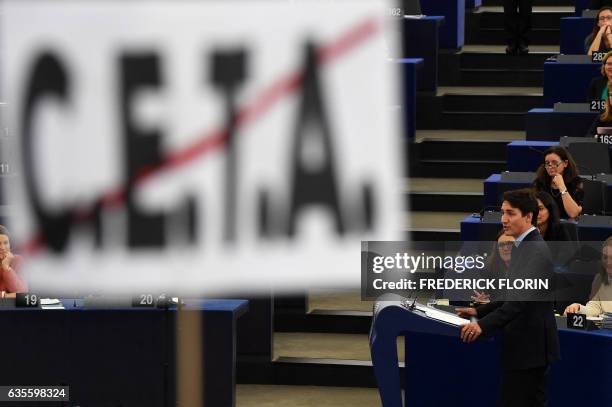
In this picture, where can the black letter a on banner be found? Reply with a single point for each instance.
(313, 175)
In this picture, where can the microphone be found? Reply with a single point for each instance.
(413, 302)
(484, 210)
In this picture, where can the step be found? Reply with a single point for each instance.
(466, 150)
(424, 220)
(338, 299)
(494, 59)
(265, 395)
(430, 115)
(485, 26)
(499, 49)
(542, 17)
(333, 310)
(315, 359)
(535, 3)
(325, 346)
(538, 36)
(444, 201)
(446, 194)
(430, 120)
(497, 77)
(458, 185)
(434, 226)
(457, 168)
(325, 321)
(460, 168)
(329, 311)
(506, 136)
(433, 235)
(482, 120)
(308, 372)
(492, 68)
(460, 102)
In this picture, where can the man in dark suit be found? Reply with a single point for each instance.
(517, 21)
(526, 318)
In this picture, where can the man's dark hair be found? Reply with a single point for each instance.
(3, 230)
(525, 201)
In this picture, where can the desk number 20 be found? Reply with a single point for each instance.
(143, 300)
(146, 300)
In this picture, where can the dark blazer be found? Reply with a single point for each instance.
(596, 86)
(529, 329)
(557, 233)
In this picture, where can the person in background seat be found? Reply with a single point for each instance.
(601, 292)
(600, 40)
(558, 176)
(497, 267)
(11, 281)
(598, 88)
(549, 223)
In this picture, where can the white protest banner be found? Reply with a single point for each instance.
(200, 145)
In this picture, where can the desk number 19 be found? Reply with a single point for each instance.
(26, 300)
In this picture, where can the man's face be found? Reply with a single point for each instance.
(5, 246)
(513, 222)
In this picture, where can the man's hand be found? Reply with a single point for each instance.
(466, 312)
(572, 309)
(470, 332)
(481, 298)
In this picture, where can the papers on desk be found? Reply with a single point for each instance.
(50, 303)
(606, 320)
(387, 300)
(442, 315)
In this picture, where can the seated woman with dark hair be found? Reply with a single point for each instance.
(11, 280)
(601, 293)
(600, 40)
(599, 87)
(497, 267)
(548, 223)
(558, 176)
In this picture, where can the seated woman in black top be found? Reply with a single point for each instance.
(497, 267)
(559, 177)
(600, 40)
(549, 224)
(598, 88)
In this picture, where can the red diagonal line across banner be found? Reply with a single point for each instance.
(216, 138)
